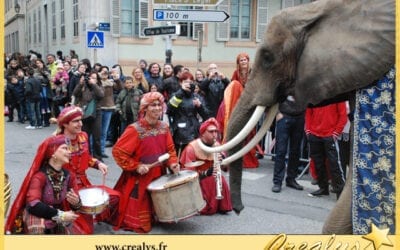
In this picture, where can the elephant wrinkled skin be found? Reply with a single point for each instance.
(316, 51)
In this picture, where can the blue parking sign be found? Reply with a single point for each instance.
(95, 39)
(159, 15)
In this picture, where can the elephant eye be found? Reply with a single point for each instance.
(267, 58)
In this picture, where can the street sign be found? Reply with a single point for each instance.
(189, 2)
(190, 15)
(95, 39)
(104, 26)
(162, 30)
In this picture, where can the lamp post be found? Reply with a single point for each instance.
(17, 8)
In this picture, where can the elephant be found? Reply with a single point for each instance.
(314, 52)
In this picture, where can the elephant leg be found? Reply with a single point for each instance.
(339, 220)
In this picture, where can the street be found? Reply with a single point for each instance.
(265, 212)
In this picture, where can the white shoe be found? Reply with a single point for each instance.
(30, 127)
(39, 127)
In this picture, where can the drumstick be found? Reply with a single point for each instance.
(160, 160)
(104, 183)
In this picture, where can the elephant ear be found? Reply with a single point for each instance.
(349, 46)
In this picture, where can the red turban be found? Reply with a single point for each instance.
(53, 143)
(149, 98)
(207, 123)
(68, 114)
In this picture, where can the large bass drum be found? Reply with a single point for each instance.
(176, 196)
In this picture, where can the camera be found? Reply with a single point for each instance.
(192, 87)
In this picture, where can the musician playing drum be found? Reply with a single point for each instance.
(213, 185)
(48, 194)
(141, 144)
(69, 123)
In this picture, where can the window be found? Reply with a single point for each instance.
(291, 3)
(190, 30)
(30, 29)
(62, 19)
(53, 21)
(75, 17)
(240, 19)
(133, 18)
(39, 26)
(34, 28)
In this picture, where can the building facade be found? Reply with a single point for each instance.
(47, 26)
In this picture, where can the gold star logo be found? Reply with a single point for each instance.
(378, 237)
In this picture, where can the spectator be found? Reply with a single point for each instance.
(33, 89)
(213, 88)
(107, 106)
(143, 65)
(171, 84)
(289, 133)
(15, 98)
(231, 96)
(139, 80)
(86, 91)
(155, 75)
(46, 95)
(128, 102)
(168, 70)
(323, 126)
(61, 81)
(183, 109)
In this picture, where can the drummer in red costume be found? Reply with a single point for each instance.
(209, 134)
(70, 124)
(140, 145)
(48, 195)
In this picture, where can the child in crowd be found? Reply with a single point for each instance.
(128, 103)
(61, 80)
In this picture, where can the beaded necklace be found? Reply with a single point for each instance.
(56, 179)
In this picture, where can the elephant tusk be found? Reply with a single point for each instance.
(239, 137)
(263, 130)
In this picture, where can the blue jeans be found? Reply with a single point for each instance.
(34, 115)
(289, 131)
(105, 124)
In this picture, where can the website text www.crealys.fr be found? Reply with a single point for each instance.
(142, 246)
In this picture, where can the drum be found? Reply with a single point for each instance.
(94, 200)
(176, 197)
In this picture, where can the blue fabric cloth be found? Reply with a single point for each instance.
(374, 157)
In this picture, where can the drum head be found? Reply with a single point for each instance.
(92, 197)
(183, 175)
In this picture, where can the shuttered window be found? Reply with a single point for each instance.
(222, 29)
(262, 19)
(130, 17)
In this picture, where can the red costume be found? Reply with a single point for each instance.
(193, 152)
(231, 97)
(80, 161)
(140, 143)
(35, 188)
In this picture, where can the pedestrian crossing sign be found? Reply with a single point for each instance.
(95, 39)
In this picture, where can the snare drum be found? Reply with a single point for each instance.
(176, 197)
(94, 200)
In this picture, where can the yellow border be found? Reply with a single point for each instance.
(194, 242)
(2, 125)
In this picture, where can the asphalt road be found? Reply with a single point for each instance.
(290, 212)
